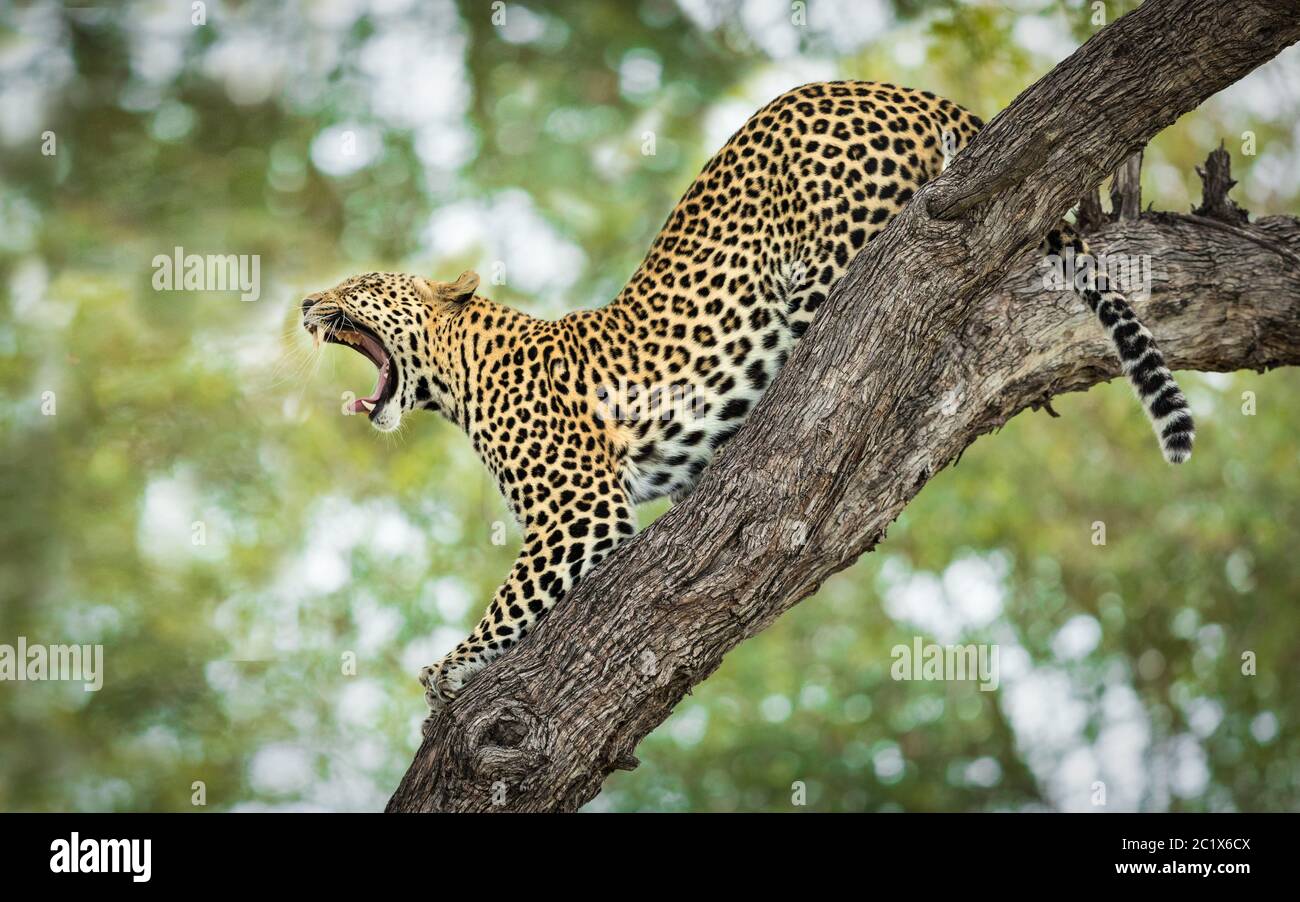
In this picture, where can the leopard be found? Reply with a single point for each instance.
(582, 418)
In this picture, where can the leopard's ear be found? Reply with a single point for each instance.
(463, 288)
(457, 292)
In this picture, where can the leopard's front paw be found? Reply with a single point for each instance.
(443, 681)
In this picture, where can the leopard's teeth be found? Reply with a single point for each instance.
(367, 405)
(315, 338)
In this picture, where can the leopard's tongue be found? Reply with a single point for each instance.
(368, 404)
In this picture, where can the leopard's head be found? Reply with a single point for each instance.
(394, 320)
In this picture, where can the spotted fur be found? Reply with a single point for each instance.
(581, 418)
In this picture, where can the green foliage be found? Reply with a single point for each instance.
(197, 504)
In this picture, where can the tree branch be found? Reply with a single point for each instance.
(921, 348)
(1216, 182)
(1126, 189)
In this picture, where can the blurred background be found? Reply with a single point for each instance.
(267, 576)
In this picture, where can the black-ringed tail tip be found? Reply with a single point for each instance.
(1140, 358)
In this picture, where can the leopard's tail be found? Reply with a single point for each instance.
(1141, 360)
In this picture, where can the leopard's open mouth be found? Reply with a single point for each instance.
(338, 328)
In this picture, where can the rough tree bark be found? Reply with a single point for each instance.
(922, 347)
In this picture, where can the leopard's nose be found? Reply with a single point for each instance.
(308, 302)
